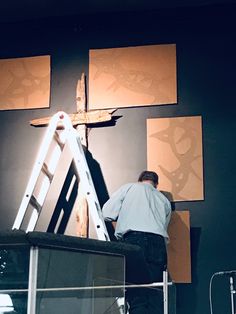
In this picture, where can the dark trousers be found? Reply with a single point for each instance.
(148, 300)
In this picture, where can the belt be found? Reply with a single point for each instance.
(140, 233)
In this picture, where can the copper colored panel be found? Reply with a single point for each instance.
(132, 76)
(174, 151)
(179, 255)
(24, 83)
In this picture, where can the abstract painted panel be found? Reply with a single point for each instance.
(179, 253)
(24, 83)
(174, 151)
(132, 76)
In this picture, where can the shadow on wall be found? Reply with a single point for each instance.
(169, 196)
(100, 186)
(97, 177)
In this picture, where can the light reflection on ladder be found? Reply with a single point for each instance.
(61, 148)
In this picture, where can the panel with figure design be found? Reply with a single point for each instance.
(24, 83)
(174, 151)
(132, 76)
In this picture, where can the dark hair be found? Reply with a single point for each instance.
(149, 175)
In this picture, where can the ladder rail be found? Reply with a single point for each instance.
(36, 171)
(86, 182)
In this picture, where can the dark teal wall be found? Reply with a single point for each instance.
(206, 67)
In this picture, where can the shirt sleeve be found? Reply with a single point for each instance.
(112, 207)
(168, 213)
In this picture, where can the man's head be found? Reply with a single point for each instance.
(149, 176)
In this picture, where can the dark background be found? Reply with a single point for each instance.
(206, 67)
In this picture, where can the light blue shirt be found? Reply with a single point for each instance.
(138, 207)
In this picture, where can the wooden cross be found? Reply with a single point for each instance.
(80, 120)
(82, 117)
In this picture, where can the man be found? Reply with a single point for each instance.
(142, 214)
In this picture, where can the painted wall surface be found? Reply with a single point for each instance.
(206, 66)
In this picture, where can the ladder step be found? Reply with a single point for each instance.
(58, 140)
(46, 171)
(35, 203)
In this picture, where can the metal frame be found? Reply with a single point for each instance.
(32, 286)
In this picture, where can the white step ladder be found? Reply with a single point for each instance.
(60, 160)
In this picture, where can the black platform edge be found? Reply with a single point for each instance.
(136, 269)
(44, 239)
(13, 237)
